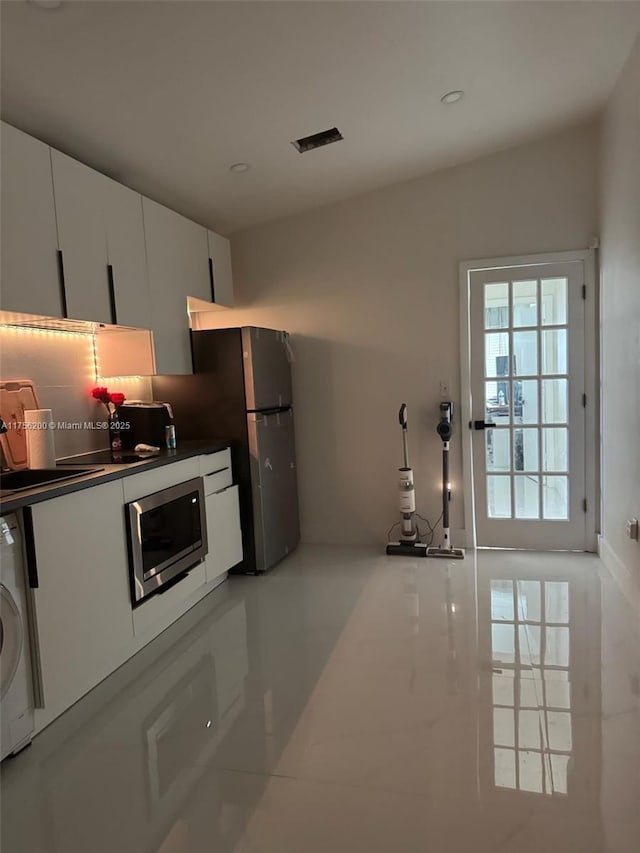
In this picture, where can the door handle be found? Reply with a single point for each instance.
(480, 425)
(212, 280)
(112, 295)
(62, 283)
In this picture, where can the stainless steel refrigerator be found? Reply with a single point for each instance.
(241, 390)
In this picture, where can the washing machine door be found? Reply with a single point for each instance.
(11, 638)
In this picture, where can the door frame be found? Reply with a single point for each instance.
(591, 362)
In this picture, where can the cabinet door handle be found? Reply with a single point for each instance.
(37, 680)
(30, 548)
(212, 281)
(112, 295)
(61, 283)
(219, 471)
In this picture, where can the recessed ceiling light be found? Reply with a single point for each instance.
(239, 167)
(452, 97)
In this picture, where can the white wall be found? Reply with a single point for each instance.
(369, 289)
(620, 296)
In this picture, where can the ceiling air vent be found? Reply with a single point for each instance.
(317, 140)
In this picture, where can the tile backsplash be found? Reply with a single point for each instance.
(61, 366)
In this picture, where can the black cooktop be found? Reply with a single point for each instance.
(108, 457)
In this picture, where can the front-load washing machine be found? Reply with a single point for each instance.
(16, 691)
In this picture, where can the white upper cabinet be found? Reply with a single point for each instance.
(177, 264)
(77, 244)
(82, 238)
(126, 255)
(191, 241)
(30, 280)
(220, 269)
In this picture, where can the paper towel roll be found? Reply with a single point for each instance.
(41, 452)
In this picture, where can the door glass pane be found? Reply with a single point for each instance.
(498, 446)
(530, 644)
(496, 352)
(555, 449)
(525, 353)
(555, 498)
(529, 730)
(559, 773)
(497, 408)
(525, 303)
(558, 694)
(554, 351)
(525, 450)
(503, 691)
(554, 401)
(528, 694)
(554, 301)
(505, 767)
(559, 728)
(527, 497)
(503, 643)
(496, 306)
(499, 496)
(526, 401)
(530, 767)
(504, 727)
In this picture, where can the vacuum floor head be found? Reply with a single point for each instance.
(407, 549)
(446, 553)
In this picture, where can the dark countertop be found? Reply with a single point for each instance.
(10, 501)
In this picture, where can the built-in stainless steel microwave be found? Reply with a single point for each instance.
(167, 535)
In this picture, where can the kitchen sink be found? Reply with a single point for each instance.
(31, 478)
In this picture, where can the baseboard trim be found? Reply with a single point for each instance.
(628, 584)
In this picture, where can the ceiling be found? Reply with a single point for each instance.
(165, 96)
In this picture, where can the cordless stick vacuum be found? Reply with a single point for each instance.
(445, 430)
(409, 544)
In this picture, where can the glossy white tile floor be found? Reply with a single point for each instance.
(348, 702)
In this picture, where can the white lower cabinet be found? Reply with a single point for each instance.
(82, 602)
(85, 622)
(224, 532)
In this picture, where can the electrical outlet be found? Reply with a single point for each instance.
(633, 531)
(444, 390)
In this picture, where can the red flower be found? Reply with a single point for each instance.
(110, 401)
(101, 393)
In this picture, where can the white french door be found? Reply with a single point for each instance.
(527, 377)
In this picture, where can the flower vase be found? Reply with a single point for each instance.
(115, 437)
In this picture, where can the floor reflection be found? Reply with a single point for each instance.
(540, 733)
(532, 729)
(352, 703)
